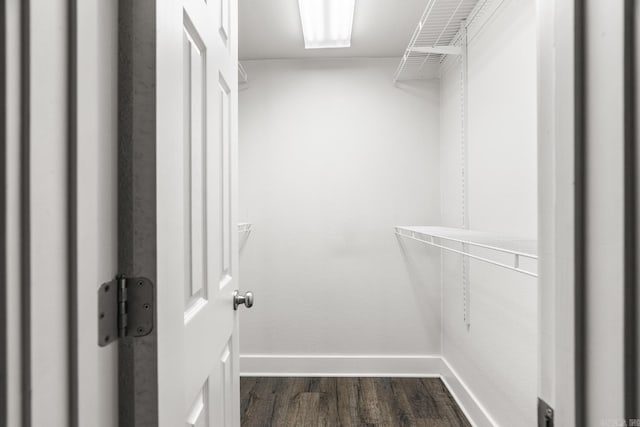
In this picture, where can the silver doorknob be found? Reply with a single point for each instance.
(246, 299)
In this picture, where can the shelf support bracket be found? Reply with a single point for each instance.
(466, 292)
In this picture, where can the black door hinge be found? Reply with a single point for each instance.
(125, 309)
(545, 414)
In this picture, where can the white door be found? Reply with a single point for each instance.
(197, 238)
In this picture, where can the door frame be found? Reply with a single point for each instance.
(55, 245)
(13, 88)
(557, 206)
(579, 246)
(3, 223)
(35, 215)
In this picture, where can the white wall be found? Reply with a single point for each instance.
(332, 156)
(497, 356)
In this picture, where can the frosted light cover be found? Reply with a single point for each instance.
(326, 23)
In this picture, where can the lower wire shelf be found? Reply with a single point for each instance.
(244, 227)
(491, 248)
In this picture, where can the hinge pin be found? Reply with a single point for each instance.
(122, 307)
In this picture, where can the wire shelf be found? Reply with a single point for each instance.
(433, 37)
(244, 227)
(243, 78)
(494, 247)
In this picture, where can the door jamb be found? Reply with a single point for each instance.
(137, 361)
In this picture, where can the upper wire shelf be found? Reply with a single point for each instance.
(512, 253)
(433, 37)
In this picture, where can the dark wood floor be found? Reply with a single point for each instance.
(388, 402)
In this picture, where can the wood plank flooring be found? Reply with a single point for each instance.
(332, 402)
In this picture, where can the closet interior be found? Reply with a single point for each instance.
(389, 200)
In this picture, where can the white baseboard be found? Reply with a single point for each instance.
(341, 366)
(471, 406)
(266, 365)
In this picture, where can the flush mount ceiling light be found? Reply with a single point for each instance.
(326, 23)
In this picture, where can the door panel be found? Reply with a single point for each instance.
(198, 383)
(195, 196)
(198, 416)
(225, 19)
(225, 180)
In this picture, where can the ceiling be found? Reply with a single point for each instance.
(271, 29)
